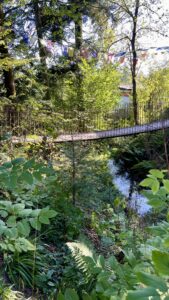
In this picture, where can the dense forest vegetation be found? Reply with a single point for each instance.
(71, 224)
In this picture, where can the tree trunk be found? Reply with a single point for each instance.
(8, 77)
(79, 77)
(134, 63)
(7, 73)
(39, 26)
(73, 174)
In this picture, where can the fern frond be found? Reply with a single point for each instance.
(85, 260)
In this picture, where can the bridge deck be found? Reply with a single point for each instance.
(154, 126)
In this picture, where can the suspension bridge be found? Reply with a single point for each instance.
(30, 125)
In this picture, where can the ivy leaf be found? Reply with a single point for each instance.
(161, 262)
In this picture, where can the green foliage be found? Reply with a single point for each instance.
(140, 154)
(143, 274)
(100, 86)
(156, 86)
(7, 293)
(19, 216)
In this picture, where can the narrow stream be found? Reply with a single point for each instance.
(123, 184)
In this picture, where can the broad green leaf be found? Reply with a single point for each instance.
(35, 223)
(18, 207)
(2, 223)
(25, 245)
(60, 296)
(166, 184)
(18, 161)
(23, 228)
(117, 202)
(152, 281)
(157, 203)
(85, 296)
(11, 247)
(147, 182)
(11, 221)
(25, 212)
(12, 181)
(161, 262)
(7, 165)
(2, 228)
(143, 294)
(50, 214)
(71, 295)
(157, 173)
(35, 212)
(11, 233)
(3, 213)
(155, 186)
(37, 175)
(43, 219)
(166, 242)
(27, 177)
(29, 164)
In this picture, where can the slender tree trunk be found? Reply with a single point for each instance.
(73, 174)
(44, 75)
(79, 77)
(134, 63)
(7, 73)
(39, 26)
(78, 30)
(8, 77)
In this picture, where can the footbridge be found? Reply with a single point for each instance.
(32, 125)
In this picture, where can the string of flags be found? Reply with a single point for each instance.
(142, 54)
(112, 57)
(29, 37)
(67, 51)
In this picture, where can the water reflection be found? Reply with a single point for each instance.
(123, 184)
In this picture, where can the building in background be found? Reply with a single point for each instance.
(126, 91)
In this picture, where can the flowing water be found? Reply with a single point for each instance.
(123, 184)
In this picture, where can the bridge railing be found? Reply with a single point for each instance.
(21, 121)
